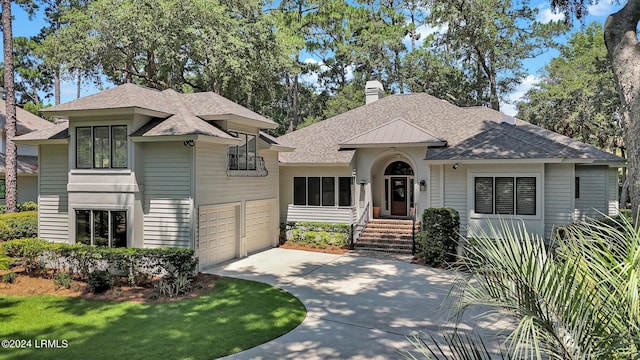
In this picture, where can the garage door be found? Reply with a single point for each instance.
(260, 230)
(218, 236)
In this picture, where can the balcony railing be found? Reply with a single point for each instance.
(249, 167)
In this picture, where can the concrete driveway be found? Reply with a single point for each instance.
(357, 307)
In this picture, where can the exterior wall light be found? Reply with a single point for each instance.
(423, 185)
(455, 166)
(189, 143)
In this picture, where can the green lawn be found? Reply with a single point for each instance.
(236, 315)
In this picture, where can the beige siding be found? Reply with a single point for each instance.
(312, 213)
(593, 201)
(53, 224)
(613, 197)
(435, 186)
(455, 193)
(167, 194)
(558, 196)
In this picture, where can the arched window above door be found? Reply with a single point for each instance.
(398, 168)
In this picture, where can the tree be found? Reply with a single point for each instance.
(578, 299)
(11, 169)
(493, 37)
(576, 95)
(623, 51)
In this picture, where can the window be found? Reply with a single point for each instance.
(243, 156)
(3, 189)
(101, 147)
(577, 188)
(101, 228)
(505, 195)
(322, 191)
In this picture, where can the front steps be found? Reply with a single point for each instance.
(387, 235)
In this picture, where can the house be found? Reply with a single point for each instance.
(138, 167)
(413, 151)
(27, 156)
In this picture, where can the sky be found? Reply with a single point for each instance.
(23, 26)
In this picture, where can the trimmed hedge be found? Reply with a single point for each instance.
(18, 225)
(137, 264)
(24, 206)
(438, 236)
(318, 234)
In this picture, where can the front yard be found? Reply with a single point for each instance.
(233, 316)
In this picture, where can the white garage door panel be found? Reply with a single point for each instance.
(218, 234)
(259, 231)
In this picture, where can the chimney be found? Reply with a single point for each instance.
(373, 91)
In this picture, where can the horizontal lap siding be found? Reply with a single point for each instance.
(321, 214)
(613, 196)
(167, 193)
(558, 196)
(455, 193)
(215, 187)
(53, 203)
(593, 192)
(435, 193)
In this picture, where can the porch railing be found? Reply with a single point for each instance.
(356, 229)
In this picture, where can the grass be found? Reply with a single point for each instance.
(234, 316)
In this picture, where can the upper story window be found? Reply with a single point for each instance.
(101, 147)
(243, 156)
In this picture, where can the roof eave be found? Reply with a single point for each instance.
(261, 124)
(187, 137)
(378, 145)
(35, 142)
(66, 114)
(281, 163)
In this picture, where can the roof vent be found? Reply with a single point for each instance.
(374, 91)
(509, 120)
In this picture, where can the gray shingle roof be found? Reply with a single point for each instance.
(59, 131)
(206, 104)
(25, 121)
(320, 143)
(26, 164)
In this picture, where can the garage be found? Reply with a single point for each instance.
(218, 234)
(260, 225)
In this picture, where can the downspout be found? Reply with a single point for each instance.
(194, 214)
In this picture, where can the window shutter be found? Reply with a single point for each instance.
(484, 195)
(504, 195)
(526, 196)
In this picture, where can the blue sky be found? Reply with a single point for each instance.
(23, 26)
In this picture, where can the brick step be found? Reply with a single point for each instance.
(375, 236)
(387, 240)
(386, 250)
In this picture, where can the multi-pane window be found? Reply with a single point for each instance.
(505, 195)
(101, 147)
(101, 227)
(3, 189)
(243, 156)
(322, 191)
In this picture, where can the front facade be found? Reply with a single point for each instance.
(405, 153)
(142, 168)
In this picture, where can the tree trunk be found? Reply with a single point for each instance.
(624, 53)
(56, 87)
(78, 84)
(11, 171)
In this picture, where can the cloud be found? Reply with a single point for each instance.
(602, 8)
(548, 15)
(509, 107)
(424, 31)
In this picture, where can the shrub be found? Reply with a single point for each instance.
(320, 235)
(99, 281)
(62, 279)
(438, 236)
(173, 286)
(27, 252)
(19, 225)
(9, 277)
(28, 206)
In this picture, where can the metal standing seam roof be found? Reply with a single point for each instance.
(398, 131)
(321, 143)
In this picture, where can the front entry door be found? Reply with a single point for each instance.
(399, 196)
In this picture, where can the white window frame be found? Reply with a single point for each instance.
(471, 195)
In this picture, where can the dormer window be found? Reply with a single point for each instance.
(243, 156)
(101, 147)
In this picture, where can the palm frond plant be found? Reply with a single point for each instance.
(575, 299)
